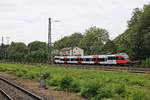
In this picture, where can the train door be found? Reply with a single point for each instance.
(94, 60)
(79, 60)
(65, 59)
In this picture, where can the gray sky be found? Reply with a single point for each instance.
(27, 20)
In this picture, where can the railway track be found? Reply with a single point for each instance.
(11, 91)
(131, 69)
(4, 95)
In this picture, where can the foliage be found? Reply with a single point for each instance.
(17, 51)
(92, 84)
(68, 41)
(135, 40)
(67, 83)
(109, 47)
(96, 90)
(37, 45)
(92, 41)
(146, 63)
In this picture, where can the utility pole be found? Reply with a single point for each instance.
(50, 57)
(49, 42)
(2, 48)
(2, 40)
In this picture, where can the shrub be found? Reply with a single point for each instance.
(120, 90)
(104, 92)
(32, 75)
(139, 96)
(20, 73)
(96, 91)
(137, 82)
(47, 75)
(2, 69)
(90, 90)
(146, 63)
(74, 87)
(53, 81)
(67, 83)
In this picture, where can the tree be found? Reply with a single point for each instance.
(109, 47)
(17, 51)
(37, 45)
(37, 52)
(92, 41)
(135, 40)
(68, 41)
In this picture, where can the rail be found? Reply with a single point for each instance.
(21, 89)
(6, 96)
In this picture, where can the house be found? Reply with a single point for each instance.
(72, 51)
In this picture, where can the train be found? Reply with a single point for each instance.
(108, 59)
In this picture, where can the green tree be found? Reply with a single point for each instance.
(37, 45)
(109, 47)
(37, 52)
(17, 51)
(92, 41)
(135, 40)
(68, 41)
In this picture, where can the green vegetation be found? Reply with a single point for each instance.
(91, 84)
(136, 39)
(146, 62)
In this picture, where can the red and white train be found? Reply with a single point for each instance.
(112, 59)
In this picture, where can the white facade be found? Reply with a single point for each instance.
(72, 51)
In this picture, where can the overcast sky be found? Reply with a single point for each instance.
(27, 20)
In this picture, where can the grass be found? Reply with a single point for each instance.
(91, 84)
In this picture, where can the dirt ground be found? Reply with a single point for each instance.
(47, 94)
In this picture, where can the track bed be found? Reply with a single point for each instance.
(16, 92)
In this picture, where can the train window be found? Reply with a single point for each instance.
(72, 59)
(67, 59)
(101, 59)
(61, 59)
(112, 58)
(87, 59)
(56, 58)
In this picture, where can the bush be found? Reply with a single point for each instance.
(55, 81)
(137, 82)
(2, 69)
(104, 92)
(21, 72)
(68, 84)
(74, 87)
(120, 90)
(32, 75)
(96, 91)
(139, 96)
(146, 63)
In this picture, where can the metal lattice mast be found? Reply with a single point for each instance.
(49, 42)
